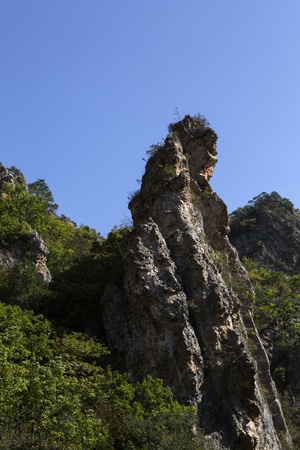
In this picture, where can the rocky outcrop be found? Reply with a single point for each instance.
(184, 314)
(11, 176)
(30, 247)
(268, 233)
(27, 247)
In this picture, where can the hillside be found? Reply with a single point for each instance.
(266, 233)
(151, 331)
(267, 230)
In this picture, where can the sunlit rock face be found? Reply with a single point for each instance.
(11, 177)
(184, 314)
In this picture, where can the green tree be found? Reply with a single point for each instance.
(78, 286)
(245, 219)
(147, 416)
(40, 189)
(55, 394)
(44, 403)
(277, 300)
(20, 285)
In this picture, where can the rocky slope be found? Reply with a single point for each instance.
(185, 312)
(267, 230)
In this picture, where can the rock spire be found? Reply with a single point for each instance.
(184, 314)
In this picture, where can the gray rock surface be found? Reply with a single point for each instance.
(11, 176)
(184, 314)
(273, 240)
(30, 247)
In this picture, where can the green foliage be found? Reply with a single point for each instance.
(154, 148)
(169, 171)
(55, 394)
(277, 301)
(269, 200)
(23, 211)
(21, 286)
(202, 121)
(15, 171)
(66, 244)
(76, 291)
(277, 309)
(199, 122)
(291, 414)
(40, 189)
(149, 418)
(80, 261)
(13, 213)
(43, 402)
(245, 219)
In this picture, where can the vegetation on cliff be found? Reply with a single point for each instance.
(266, 233)
(179, 314)
(267, 230)
(57, 388)
(55, 394)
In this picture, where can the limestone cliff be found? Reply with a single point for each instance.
(184, 314)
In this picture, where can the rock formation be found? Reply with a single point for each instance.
(13, 177)
(30, 246)
(269, 233)
(184, 314)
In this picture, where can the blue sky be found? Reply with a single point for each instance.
(87, 86)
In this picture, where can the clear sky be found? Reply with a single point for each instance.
(86, 86)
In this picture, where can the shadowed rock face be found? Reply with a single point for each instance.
(184, 314)
(274, 240)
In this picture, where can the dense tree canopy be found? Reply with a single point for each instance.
(55, 394)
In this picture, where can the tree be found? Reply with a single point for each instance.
(40, 188)
(44, 403)
(54, 393)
